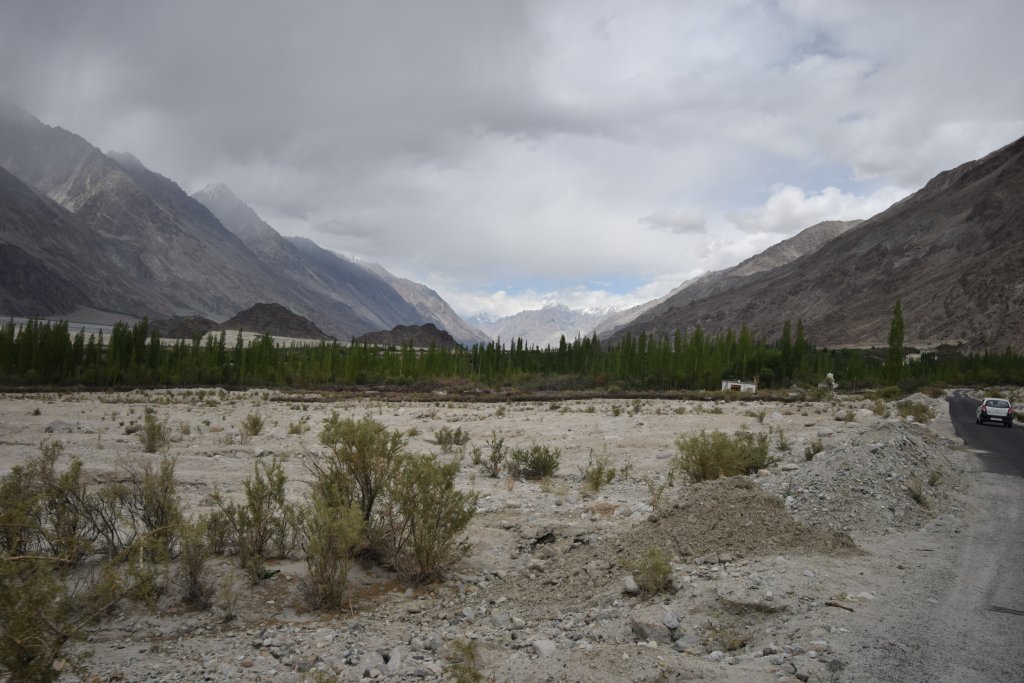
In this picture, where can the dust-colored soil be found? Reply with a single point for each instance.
(765, 569)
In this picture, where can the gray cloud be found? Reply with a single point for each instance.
(689, 219)
(494, 144)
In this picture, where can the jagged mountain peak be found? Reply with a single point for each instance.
(217, 192)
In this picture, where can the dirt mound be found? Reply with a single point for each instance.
(885, 477)
(420, 336)
(183, 327)
(732, 517)
(276, 320)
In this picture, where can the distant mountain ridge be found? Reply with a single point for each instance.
(804, 242)
(543, 327)
(951, 253)
(87, 230)
(356, 299)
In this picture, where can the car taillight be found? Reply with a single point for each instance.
(1009, 411)
(984, 409)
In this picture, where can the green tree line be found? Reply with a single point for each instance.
(40, 352)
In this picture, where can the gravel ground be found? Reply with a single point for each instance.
(807, 570)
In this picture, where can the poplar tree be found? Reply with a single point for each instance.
(894, 359)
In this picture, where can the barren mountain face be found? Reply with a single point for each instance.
(86, 229)
(950, 252)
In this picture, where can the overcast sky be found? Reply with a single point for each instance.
(513, 153)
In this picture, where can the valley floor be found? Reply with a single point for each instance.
(821, 569)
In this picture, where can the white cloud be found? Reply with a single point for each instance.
(790, 209)
(494, 146)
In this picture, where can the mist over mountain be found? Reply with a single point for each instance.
(87, 231)
(950, 252)
(351, 297)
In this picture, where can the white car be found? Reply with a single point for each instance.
(994, 410)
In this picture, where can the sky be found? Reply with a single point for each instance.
(515, 153)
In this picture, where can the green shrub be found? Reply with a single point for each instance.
(194, 552)
(915, 487)
(464, 657)
(598, 472)
(263, 515)
(252, 424)
(535, 462)
(154, 434)
(151, 504)
(783, 442)
(424, 517)
(813, 449)
(364, 457)
(448, 438)
(330, 534)
(496, 456)
(37, 618)
(653, 571)
(299, 427)
(705, 456)
(919, 411)
(889, 393)
(878, 408)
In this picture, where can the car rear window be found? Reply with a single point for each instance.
(998, 403)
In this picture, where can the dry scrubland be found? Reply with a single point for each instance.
(778, 576)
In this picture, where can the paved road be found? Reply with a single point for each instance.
(979, 621)
(1003, 448)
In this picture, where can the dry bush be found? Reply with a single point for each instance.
(535, 462)
(597, 472)
(496, 457)
(252, 424)
(448, 439)
(330, 534)
(154, 434)
(813, 449)
(364, 457)
(919, 411)
(193, 554)
(150, 502)
(464, 656)
(425, 514)
(264, 515)
(653, 571)
(915, 487)
(705, 456)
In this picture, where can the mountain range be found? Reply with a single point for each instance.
(951, 253)
(544, 327)
(85, 233)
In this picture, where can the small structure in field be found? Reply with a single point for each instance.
(739, 385)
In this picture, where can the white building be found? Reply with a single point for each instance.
(739, 385)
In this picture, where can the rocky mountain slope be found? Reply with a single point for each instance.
(172, 250)
(341, 289)
(950, 252)
(105, 232)
(804, 242)
(49, 262)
